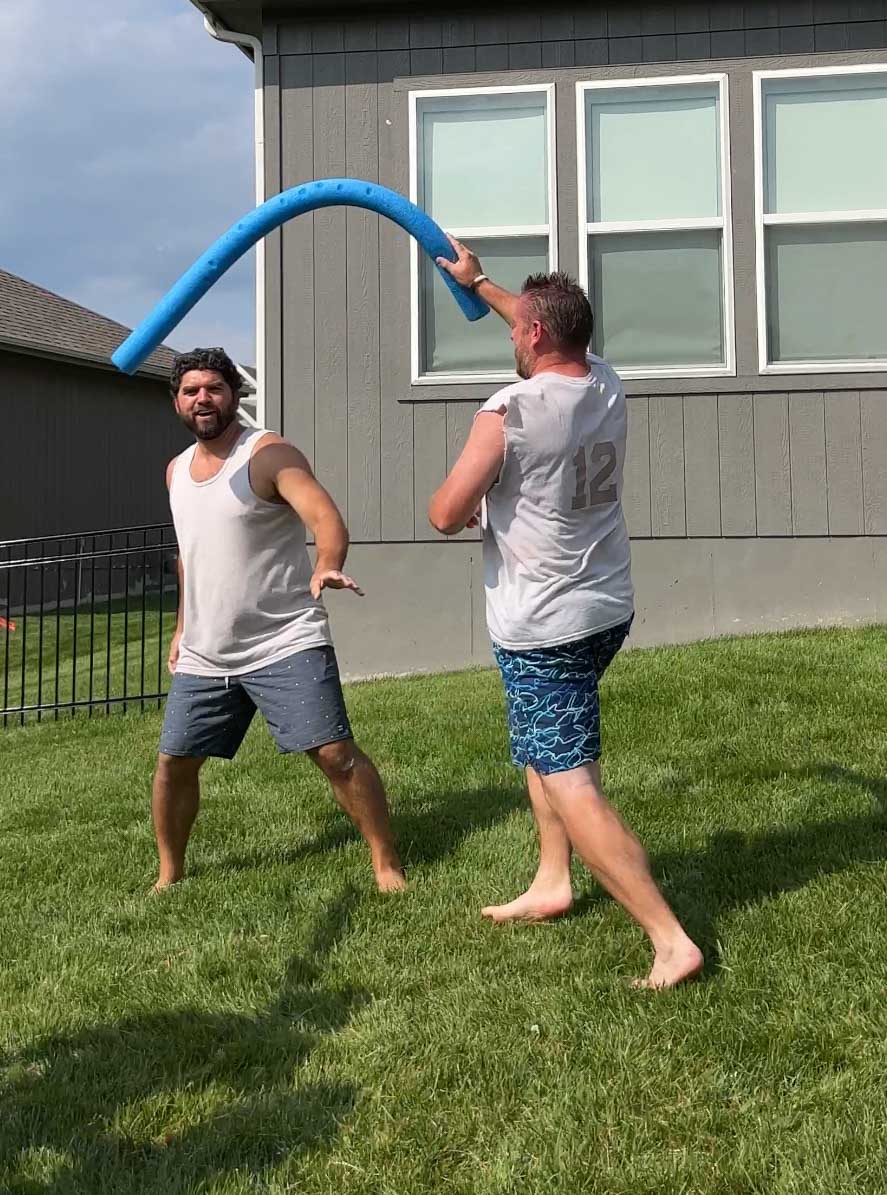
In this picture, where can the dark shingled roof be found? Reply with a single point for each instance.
(35, 320)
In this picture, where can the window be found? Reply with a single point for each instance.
(482, 166)
(654, 216)
(821, 208)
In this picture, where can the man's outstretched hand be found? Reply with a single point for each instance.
(331, 578)
(466, 267)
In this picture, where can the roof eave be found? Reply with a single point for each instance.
(73, 357)
(233, 13)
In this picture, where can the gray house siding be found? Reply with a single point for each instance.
(723, 465)
(83, 449)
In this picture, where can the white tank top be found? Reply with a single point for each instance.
(557, 560)
(247, 601)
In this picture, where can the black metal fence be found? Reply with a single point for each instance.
(85, 621)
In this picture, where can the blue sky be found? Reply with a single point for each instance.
(126, 147)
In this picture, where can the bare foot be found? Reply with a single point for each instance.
(532, 906)
(390, 878)
(671, 967)
(163, 885)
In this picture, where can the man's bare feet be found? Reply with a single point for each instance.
(163, 885)
(389, 876)
(536, 904)
(673, 966)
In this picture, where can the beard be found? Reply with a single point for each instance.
(211, 424)
(523, 364)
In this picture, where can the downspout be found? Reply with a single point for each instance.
(253, 47)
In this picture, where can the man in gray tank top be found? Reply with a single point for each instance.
(252, 630)
(544, 460)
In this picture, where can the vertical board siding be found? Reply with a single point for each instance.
(430, 432)
(843, 458)
(773, 489)
(701, 465)
(393, 33)
(274, 295)
(330, 287)
(297, 319)
(806, 416)
(360, 34)
(459, 60)
(396, 418)
(558, 53)
(460, 418)
(873, 419)
(736, 449)
(636, 477)
(668, 513)
(362, 302)
(457, 30)
(104, 440)
(338, 302)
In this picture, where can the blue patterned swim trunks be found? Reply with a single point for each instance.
(554, 709)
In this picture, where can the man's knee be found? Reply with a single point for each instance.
(177, 769)
(582, 783)
(336, 760)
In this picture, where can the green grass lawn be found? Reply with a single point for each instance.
(101, 652)
(275, 1025)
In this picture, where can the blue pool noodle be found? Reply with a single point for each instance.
(327, 192)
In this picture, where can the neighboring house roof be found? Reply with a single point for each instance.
(34, 320)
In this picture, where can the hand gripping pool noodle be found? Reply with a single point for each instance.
(327, 192)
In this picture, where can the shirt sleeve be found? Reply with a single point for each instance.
(498, 402)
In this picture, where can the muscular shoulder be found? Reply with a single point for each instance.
(272, 452)
(272, 457)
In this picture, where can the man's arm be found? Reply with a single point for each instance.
(173, 657)
(282, 468)
(453, 506)
(466, 268)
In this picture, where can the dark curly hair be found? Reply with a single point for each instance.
(215, 359)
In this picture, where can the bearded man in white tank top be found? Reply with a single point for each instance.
(544, 463)
(252, 630)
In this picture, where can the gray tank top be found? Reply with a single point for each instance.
(247, 601)
(557, 559)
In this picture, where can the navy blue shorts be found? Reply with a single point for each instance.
(300, 698)
(554, 708)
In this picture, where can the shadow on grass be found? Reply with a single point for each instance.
(736, 869)
(733, 869)
(226, 1085)
(424, 835)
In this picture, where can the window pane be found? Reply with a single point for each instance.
(658, 298)
(827, 293)
(824, 144)
(653, 153)
(451, 343)
(483, 160)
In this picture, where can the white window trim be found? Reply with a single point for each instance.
(794, 218)
(724, 222)
(417, 378)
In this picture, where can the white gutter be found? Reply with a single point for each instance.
(247, 42)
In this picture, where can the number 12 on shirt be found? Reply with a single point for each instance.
(600, 491)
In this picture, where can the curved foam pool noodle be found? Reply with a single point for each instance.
(328, 192)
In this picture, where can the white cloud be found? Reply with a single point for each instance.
(126, 147)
